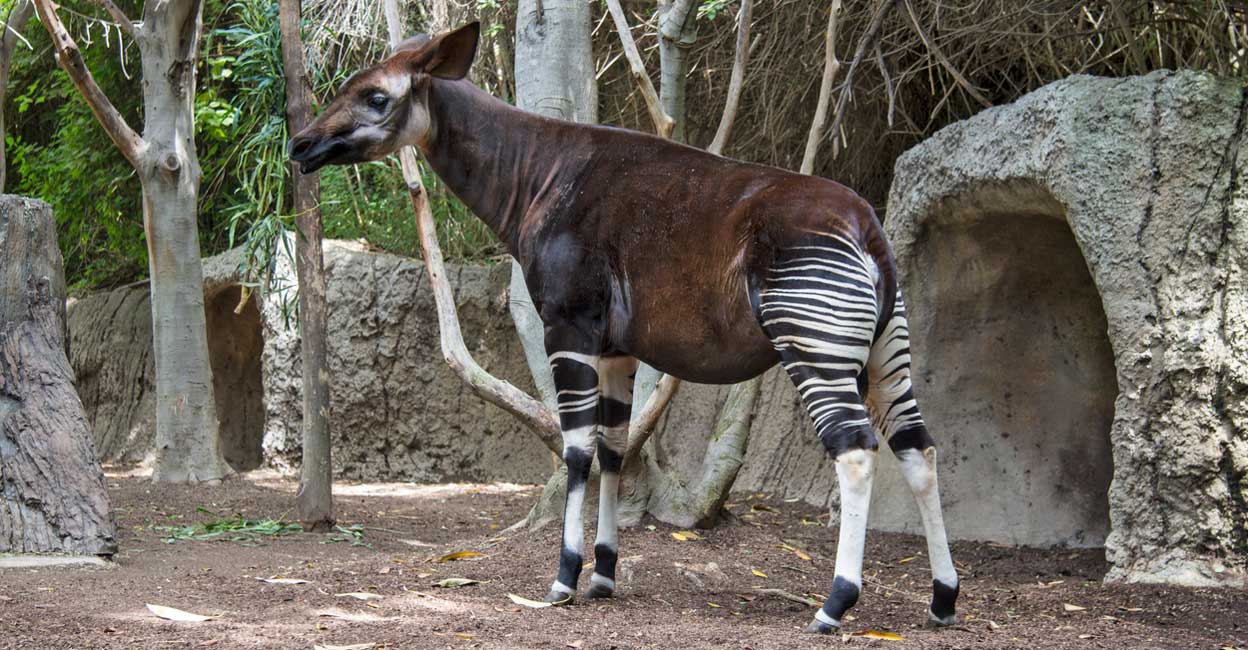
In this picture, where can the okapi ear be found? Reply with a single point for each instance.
(453, 52)
(411, 43)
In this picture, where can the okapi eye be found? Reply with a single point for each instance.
(378, 101)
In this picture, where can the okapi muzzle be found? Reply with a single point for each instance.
(638, 249)
(382, 108)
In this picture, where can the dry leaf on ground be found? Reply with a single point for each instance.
(451, 583)
(1073, 608)
(360, 595)
(283, 581)
(686, 536)
(536, 604)
(883, 636)
(460, 555)
(171, 614)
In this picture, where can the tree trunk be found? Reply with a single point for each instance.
(676, 36)
(54, 497)
(16, 21)
(187, 436)
(315, 499)
(555, 78)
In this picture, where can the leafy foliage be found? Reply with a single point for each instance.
(59, 153)
(234, 529)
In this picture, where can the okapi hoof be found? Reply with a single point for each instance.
(819, 627)
(599, 591)
(936, 622)
(559, 598)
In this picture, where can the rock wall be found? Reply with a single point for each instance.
(110, 349)
(399, 412)
(1074, 265)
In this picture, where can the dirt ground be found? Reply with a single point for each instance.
(669, 595)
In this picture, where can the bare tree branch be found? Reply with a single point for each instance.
(500, 393)
(780, 593)
(69, 57)
(868, 40)
(931, 46)
(831, 65)
(640, 428)
(663, 123)
(117, 14)
(737, 80)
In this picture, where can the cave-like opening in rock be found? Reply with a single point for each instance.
(235, 343)
(1013, 369)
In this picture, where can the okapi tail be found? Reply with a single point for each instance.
(886, 289)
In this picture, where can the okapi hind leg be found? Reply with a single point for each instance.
(576, 386)
(896, 416)
(817, 304)
(615, 381)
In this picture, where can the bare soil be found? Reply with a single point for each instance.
(669, 595)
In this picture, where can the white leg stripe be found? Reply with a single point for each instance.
(824, 618)
(562, 588)
(599, 580)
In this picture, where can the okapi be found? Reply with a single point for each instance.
(638, 248)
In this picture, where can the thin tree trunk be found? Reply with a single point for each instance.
(676, 36)
(53, 498)
(315, 500)
(566, 90)
(13, 25)
(187, 431)
(740, 61)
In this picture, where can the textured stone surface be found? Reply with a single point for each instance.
(991, 218)
(398, 411)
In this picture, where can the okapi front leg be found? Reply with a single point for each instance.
(576, 386)
(615, 376)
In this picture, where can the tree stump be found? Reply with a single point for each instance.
(52, 492)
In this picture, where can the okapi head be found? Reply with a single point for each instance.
(384, 107)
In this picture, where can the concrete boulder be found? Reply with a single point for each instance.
(1073, 265)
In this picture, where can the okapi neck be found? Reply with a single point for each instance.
(499, 160)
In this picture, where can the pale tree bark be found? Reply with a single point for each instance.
(663, 122)
(831, 65)
(676, 36)
(19, 15)
(314, 501)
(546, 31)
(740, 61)
(164, 158)
(53, 497)
(502, 394)
(645, 485)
